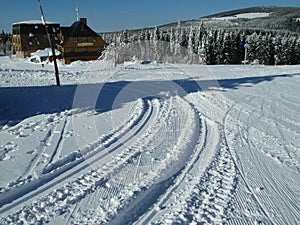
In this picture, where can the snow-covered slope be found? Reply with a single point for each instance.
(149, 144)
(243, 16)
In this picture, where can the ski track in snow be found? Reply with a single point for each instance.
(216, 156)
(66, 166)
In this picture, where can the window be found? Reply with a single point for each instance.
(30, 43)
(84, 39)
(85, 49)
(94, 39)
(71, 50)
(75, 39)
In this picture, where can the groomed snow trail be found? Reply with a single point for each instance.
(262, 133)
(169, 144)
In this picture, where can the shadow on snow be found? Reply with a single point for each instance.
(18, 103)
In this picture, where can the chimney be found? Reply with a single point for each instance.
(83, 20)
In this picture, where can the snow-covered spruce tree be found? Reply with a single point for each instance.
(172, 40)
(233, 48)
(9, 48)
(155, 41)
(177, 39)
(219, 40)
(280, 52)
(210, 47)
(191, 45)
(200, 35)
(200, 42)
(297, 51)
(290, 54)
(201, 53)
(271, 49)
(218, 49)
(238, 47)
(261, 52)
(5, 39)
(124, 37)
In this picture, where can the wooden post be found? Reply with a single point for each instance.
(245, 58)
(51, 45)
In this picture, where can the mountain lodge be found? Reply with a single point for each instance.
(78, 42)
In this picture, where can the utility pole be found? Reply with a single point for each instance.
(51, 45)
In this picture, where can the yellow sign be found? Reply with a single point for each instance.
(86, 44)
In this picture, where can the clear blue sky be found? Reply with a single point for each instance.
(114, 15)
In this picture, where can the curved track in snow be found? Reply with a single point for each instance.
(145, 158)
(182, 156)
(56, 174)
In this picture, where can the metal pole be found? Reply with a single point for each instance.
(51, 45)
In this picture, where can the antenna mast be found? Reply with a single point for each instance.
(77, 13)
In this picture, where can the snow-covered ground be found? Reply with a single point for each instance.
(149, 144)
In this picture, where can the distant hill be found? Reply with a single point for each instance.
(278, 18)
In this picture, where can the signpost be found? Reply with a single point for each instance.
(246, 47)
(51, 45)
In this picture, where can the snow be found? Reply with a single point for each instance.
(244, 16)
(45, 52)
(33, 22)
(149, 143)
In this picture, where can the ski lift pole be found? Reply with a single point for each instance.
(51, 45)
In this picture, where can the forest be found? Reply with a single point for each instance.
(199, 44)
(5, 43)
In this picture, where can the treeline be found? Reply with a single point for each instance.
(5, 43)
(207, 45)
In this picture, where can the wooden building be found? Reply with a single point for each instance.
(30, 36)
(80, 42)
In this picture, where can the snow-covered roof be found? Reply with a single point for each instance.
(34, 22)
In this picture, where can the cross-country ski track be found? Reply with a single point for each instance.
(172, 146)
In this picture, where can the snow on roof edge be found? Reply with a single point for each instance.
(34, 22)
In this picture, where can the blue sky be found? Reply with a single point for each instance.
(114, 15)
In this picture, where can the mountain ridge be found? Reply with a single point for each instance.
(280, 18)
